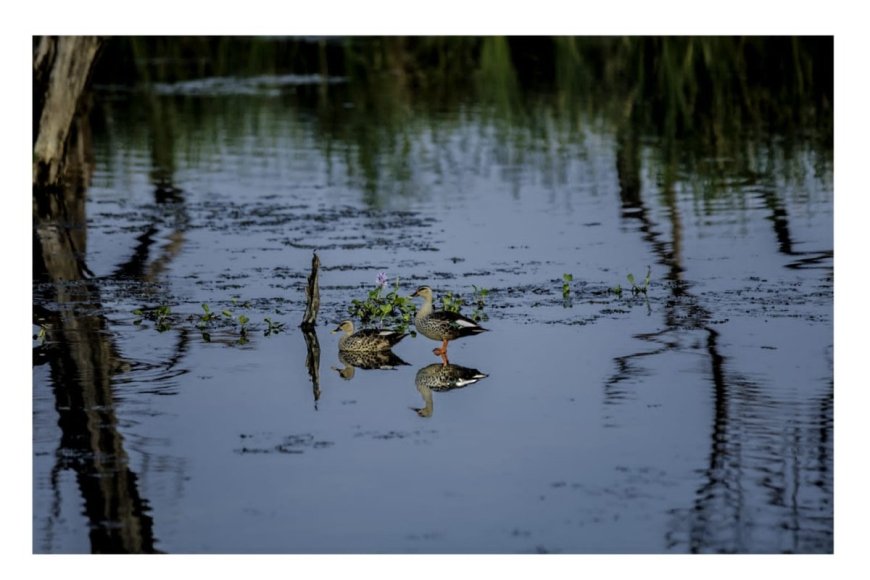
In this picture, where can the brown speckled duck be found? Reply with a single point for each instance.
(367, 339)
(442, 325)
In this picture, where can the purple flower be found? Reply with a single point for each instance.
(382, 279)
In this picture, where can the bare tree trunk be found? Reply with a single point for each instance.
(61, 70)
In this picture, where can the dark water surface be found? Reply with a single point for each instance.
(695, 418)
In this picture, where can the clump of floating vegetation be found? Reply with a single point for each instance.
(272, 327)
(207, 321)
(454, 303)
(161, 315)
(566, 290)
(635, 287)
(566, 285)
(384, 309)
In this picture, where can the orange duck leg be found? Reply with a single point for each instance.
(442, 352)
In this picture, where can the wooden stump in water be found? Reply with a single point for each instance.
(309, 320)
(312, 295)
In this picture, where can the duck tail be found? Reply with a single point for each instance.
(472, 330)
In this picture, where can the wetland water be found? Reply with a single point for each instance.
(695, 418)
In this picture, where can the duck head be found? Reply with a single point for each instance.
(346, 326)
(424, 292)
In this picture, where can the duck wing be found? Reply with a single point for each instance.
(381, 335)
(384, 333)
(463, 325)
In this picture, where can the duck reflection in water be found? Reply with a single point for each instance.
(442, 377)
(382, 359)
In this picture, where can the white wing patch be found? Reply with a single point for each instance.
(466, 323)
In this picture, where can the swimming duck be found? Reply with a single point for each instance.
(367, 339)
(441, 325)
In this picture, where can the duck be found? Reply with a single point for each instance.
(367, 339)
(442, 325)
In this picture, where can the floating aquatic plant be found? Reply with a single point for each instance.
(566, 289)
(479, 301)
(566, 285)
(272, 327)
(160, 315)
(454, 303)
(241, 321)
(207, 320)
(635, 289)
(384, 309)
(207, 317)
(451, 302)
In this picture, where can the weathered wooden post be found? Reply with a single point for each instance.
(309, 321)
(312, 295)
